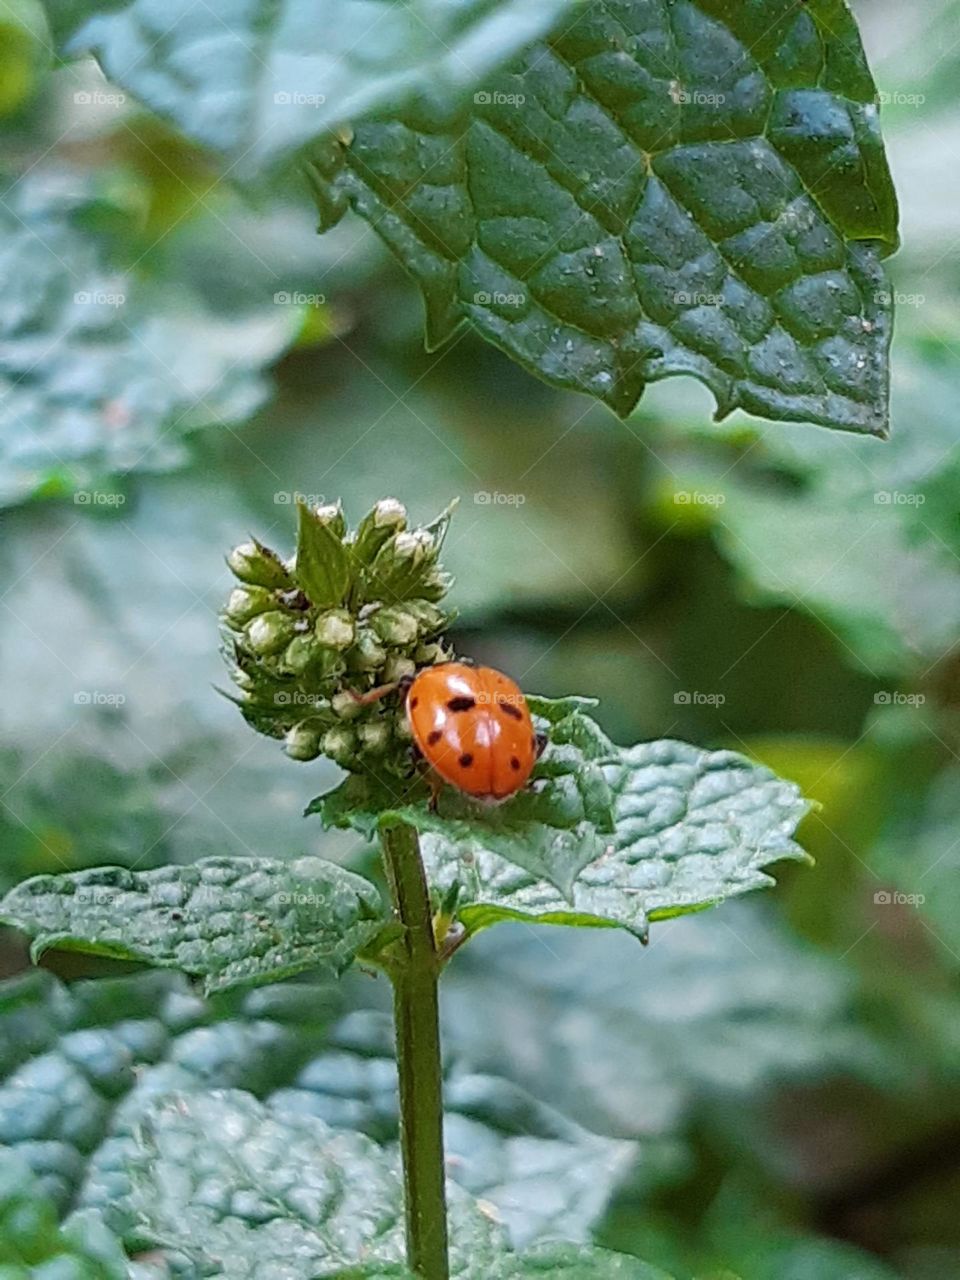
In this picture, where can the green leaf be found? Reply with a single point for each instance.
(227, 920)
(324, 568)
(655, 190)
(33, 1244)
(260, 80)
(76, 1062)
(606, 836)
(288, 1190)
(106, 370)
(724, 1007)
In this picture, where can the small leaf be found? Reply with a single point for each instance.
(324, 568)
(656, 189)
(606, 836)
(227, 920)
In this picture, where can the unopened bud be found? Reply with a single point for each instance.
(256, 564)
(245, 603)
(434, 584)
(345, 705)
(335, 629)
(268, 633)
(368, 654)
(332, 514)
(302, 652)
(388, 517)
(397, 668)
(374, 736)
(395, 626)
(428, 655)
(340, 744)
(429, 618)
(302, 743)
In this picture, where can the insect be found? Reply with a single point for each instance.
(473, 728)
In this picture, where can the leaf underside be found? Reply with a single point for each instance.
(662, 187)
(226, 920)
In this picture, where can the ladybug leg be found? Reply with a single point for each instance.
(372, 695)
(436, 786)
(541, 741)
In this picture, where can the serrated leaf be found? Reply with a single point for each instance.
(78, 1063)
(288, 1196)
(32, 1243)
(104, 370)
(226, 920)
(259, 80)
(658, 189)
(324, 568)
(689, 829)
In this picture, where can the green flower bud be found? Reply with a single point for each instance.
(394, 625)
(245, 603)
(368, 654)
(256, 564)
(429, 618)
(332, 515)
(269, 633)
(340, 744)
(388, 517)
(302, 743)
(434, 585)
(428, 655)
(374, 736)
(335, 629)
(398, 668)
(301, 653)
(345, 706)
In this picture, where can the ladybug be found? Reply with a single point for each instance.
(473, 727)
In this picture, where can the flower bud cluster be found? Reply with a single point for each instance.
(349, 613)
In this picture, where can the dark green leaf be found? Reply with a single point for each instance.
(267, 78)
(658, 189)
(323, 562)
(689, 829)
(227, 920)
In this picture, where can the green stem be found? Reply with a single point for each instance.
(417, 1019)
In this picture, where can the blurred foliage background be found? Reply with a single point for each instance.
(181, 356)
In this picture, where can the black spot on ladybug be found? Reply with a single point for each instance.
(463, 702)
(466, 760)
(434, 736)
(514, 762)
(511, 709)
(413, 703)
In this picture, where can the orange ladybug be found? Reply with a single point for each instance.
(473, 727)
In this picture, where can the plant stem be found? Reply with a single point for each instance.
(417, 1020)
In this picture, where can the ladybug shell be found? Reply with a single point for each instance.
(473, 726)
